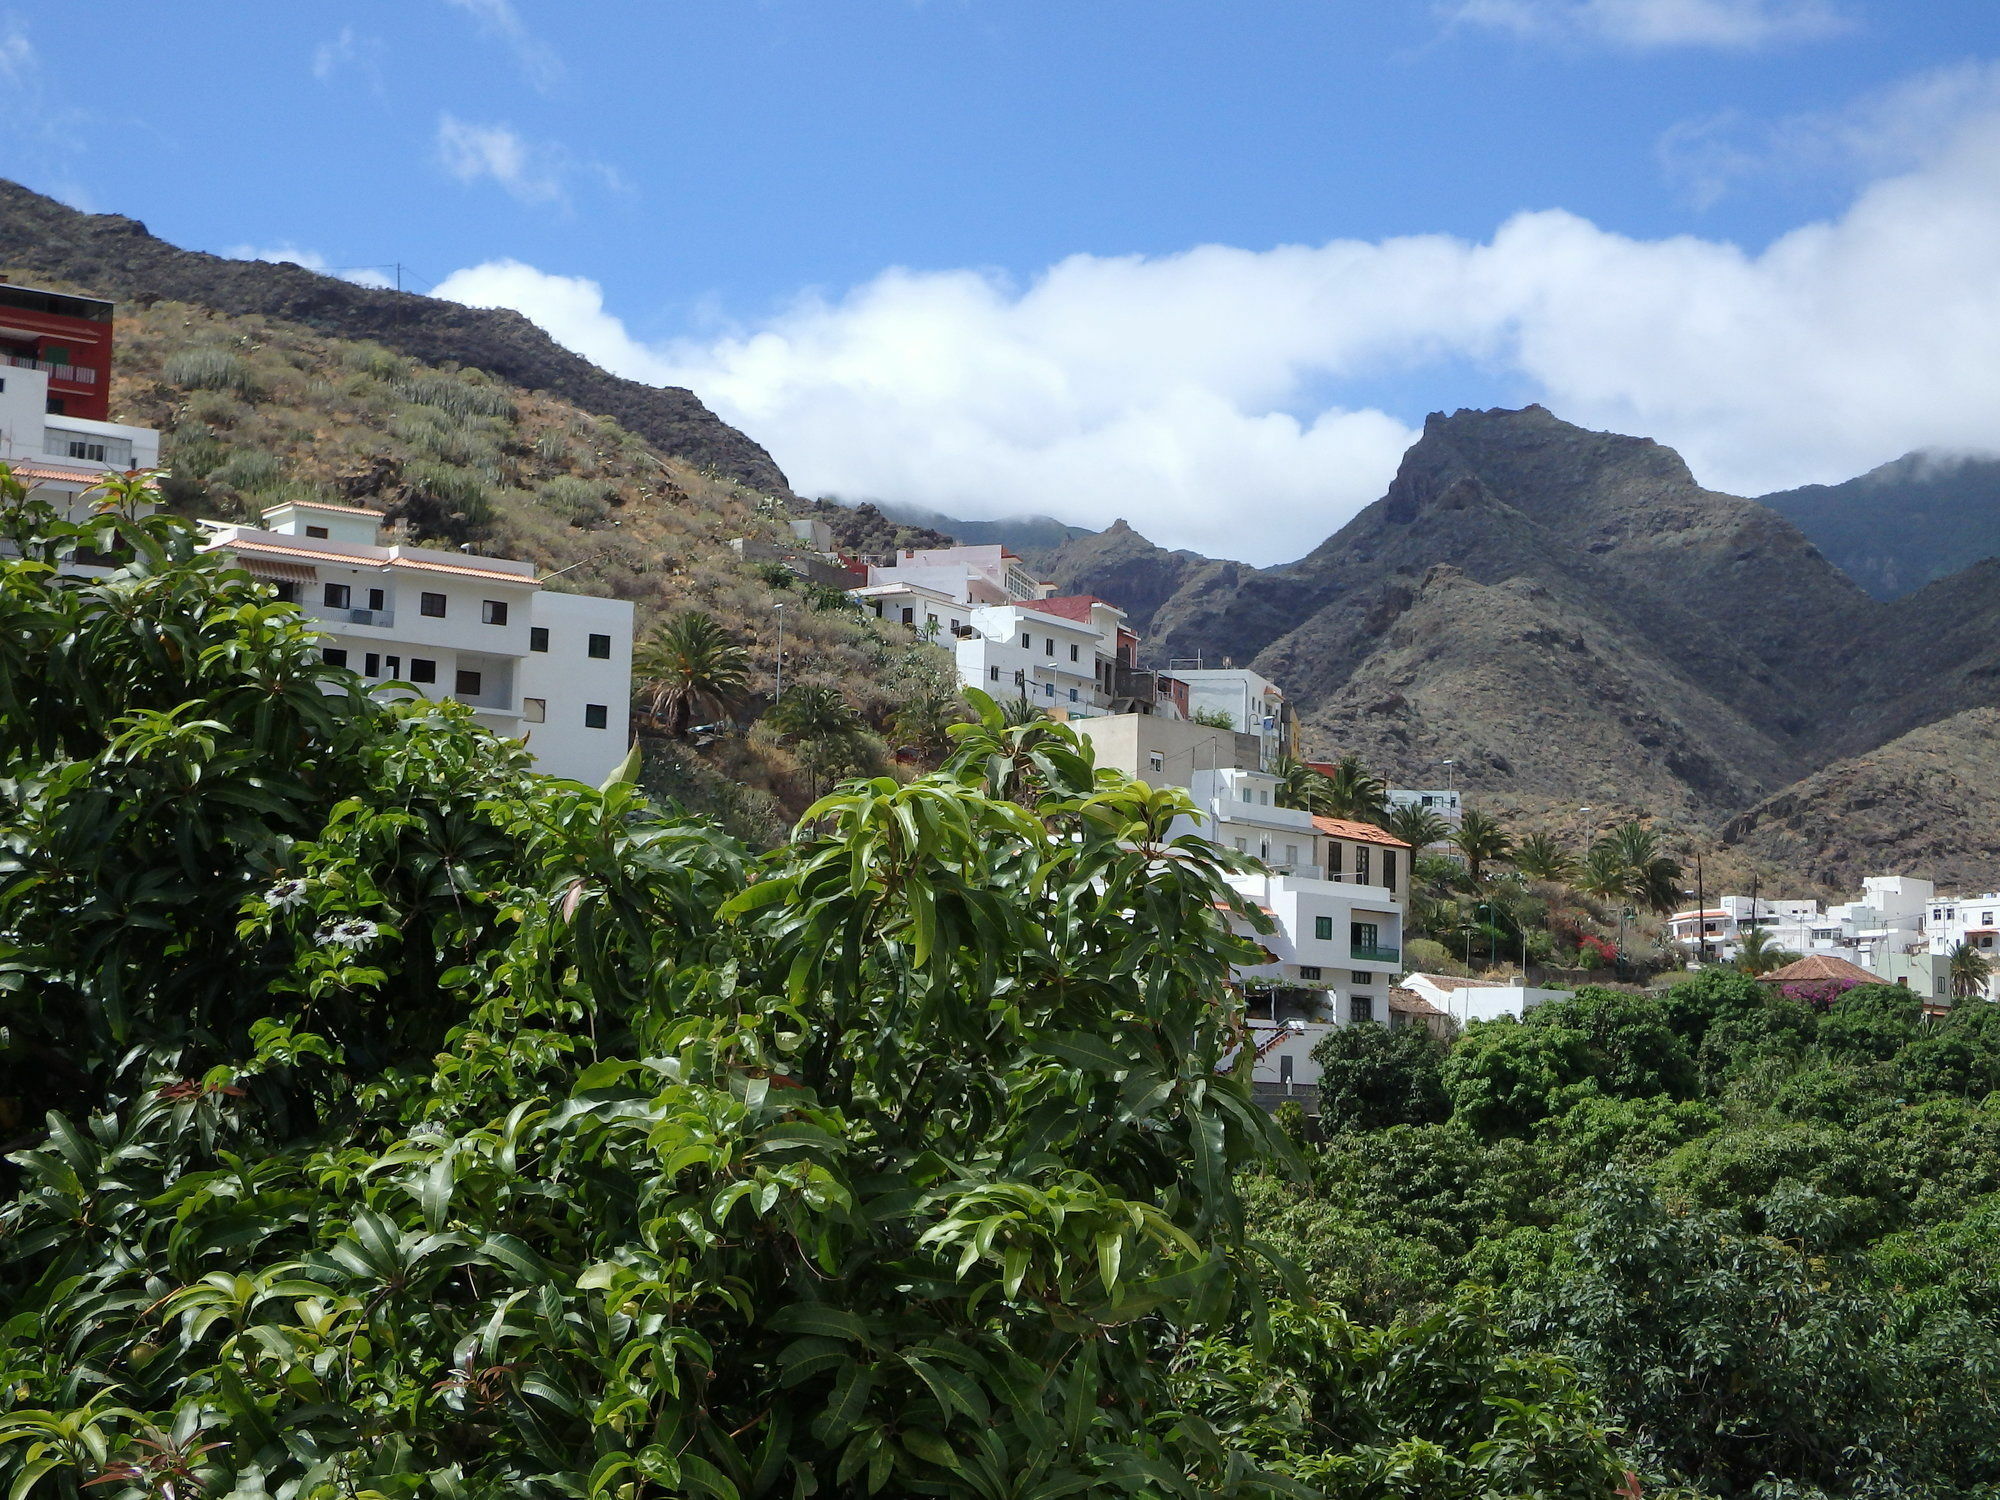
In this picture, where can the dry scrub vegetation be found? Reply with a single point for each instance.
(256, 411)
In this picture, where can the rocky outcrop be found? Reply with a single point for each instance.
(115, 257)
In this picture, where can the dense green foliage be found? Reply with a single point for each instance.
(389, 1120)
(1762, 1235)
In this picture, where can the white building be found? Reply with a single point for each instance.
(62, 457)
(1973, 921)
(1469, 1000)
(550, 669)
(1253, 703)
(971, 575)
(1444, 801)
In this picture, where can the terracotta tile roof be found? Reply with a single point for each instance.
(1454, 982)
(1821, 966)
(1359, 833)
(1410, 1002)
(58, 475)
(345, 510)
(1071, 606)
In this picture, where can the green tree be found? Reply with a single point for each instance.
(689, 665)
(1352, 791)
(1605, 874)
(817, 717)
(1759, 953)
(1373, 1076)
(1215, 718)
(1480, 841)
(1416, 825)
(1540, 857)
(1969, 970)
(1299, 785)
(422, 1125)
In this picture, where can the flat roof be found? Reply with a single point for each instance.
(62, 304)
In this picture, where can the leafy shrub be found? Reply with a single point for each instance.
(581, 502)
(249, 470)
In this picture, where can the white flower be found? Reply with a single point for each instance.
(285, 894)
(352, 933)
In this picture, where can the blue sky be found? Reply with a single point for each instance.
(801, 206)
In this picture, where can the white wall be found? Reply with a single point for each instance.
(568, 679)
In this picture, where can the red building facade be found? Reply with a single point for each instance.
(69, 338)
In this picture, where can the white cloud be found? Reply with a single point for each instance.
(17, 55)
(1728, 24)
(531, 173)
(499, 19)
(1160, 389)
(312, 260)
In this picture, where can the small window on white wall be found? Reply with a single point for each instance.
(1155, 761)
(535, 710)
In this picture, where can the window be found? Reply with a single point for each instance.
(1155, 761)
(1363, 976)
(1365, 934)
(333, 656)
(600, 647)
(319, 532)
(288, 590)
(1240, 848)
(432, 605)
(1264, 798)
(1308, 971)
(1361, 864)
(909, 614)
(336, 596)
(535, 710)
(930, 620)
(992, 674)
(492, 612)
(1291, 854)
(1389, 868)
(538, 637)
(423, 669)
(467, 684)
(1360, 1008)
(1072, 695)
(1072, 654)
(91, 451)
(1285, 1068)
(1323, 929)
(371, 664)
(1048, 690)
(378, 598)
(394, 665)
(596, 716)
(1049, 646)
(1246, 794)
(1333, 858)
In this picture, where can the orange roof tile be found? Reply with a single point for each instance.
(346, 510)
(51, 472)
(1360, 833)
(1820, 966)
(349, 559)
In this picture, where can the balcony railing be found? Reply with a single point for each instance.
(1376, 954)
(81, 374)
(380, 617)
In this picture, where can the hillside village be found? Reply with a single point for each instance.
(555, 670)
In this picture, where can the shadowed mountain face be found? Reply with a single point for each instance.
(1566, 614)
(1912, 522)
(115, 257)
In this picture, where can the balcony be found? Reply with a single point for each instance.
(382, 619)
(81, 374)
(1365, 953)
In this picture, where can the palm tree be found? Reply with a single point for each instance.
(1969, 969)
(1015, 712)
(1540, 857)
(1416, 826)
(1479, 840)
(1760, 953)
(1353, 792)
(1299, 785)
(689, 663)
(1604, 873)
(820, 718)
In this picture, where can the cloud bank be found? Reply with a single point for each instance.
(1219, 398)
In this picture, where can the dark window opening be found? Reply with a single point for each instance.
(432, 605)
(319, 532)
(423, 669)
(596, 716)
(492, 612)
(467, 684)
(371, 664)
(378, 599)
(333, 656)
(538, 637)
(336, 595)
(600, 647)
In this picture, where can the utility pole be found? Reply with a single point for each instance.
(1700, 909)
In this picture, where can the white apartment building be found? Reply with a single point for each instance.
(1444, 801)
(1469, 1000)
(971, 575)
(552, 670)
(61, 457)
(1255, 705)
(1973, 921)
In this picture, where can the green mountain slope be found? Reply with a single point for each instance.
(1908, 523)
